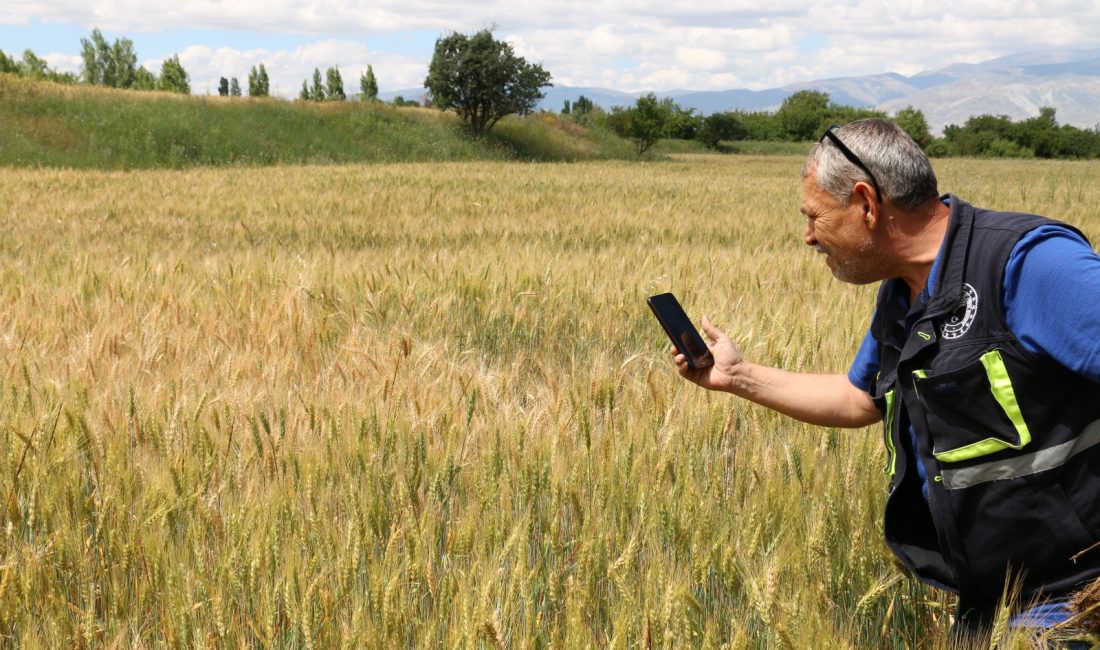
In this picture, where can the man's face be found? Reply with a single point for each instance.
(840, 232)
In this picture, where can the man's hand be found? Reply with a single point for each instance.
(829, 400)
(727, 358)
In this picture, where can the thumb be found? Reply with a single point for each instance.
(712, 332)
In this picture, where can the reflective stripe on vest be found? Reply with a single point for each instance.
(1033, 463)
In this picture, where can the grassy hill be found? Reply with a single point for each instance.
(46, 124)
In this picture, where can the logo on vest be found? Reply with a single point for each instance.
(962, 318)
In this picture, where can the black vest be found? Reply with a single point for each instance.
(1010, 440)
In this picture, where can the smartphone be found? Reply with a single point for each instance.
(680, 330)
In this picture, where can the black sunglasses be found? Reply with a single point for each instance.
(854, 159)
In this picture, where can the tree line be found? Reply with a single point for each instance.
(806, 114)
(113, 65)
(482, 80)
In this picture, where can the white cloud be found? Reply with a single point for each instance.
(646, 45)
(700, 58)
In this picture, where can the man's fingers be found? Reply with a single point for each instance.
(713, 333)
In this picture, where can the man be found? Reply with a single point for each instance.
(982, 360)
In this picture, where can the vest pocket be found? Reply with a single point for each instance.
(971, 412)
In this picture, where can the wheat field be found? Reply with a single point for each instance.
(425, 406)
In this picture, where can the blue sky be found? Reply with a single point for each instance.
(629, 46)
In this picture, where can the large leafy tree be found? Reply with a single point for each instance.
(912, 121)
(648, 122)
(482, 79)
(721, 126)
(803, 113)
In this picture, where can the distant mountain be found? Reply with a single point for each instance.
(1017, 85)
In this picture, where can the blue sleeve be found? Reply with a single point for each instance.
(1052, 298)
(865, 366)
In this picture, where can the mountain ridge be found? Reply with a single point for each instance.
(1016, 85)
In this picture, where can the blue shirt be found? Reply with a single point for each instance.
(1051, 294)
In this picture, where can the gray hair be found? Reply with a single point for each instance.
(900, 167)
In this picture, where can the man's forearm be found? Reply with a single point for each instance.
(827, 400)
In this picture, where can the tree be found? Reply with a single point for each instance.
(317, 90)
(1039, 133)
(263, 82)
(648, 121)
(582, 105)
(584, 112)
(680, 123)
(223, 87)
(803, 113)
(334, 85)
(721, 126)
(145, 80)
(761, 125)
(976, 137)
(482, 80)
(122, 66)
(94, 53)
(173, 77)
(368, 86)
(911, 120)
(33, 67)
(258, 83)
(105, 64)
(303, 94)
(7, 64)
(234, 87)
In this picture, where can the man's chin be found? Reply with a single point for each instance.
(848, 275)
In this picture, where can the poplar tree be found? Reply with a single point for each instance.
(317, 90)
(368, 86)
(334, 85)
(258, 83)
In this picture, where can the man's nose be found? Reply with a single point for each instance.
(809, 236)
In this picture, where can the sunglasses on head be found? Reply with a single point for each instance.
(854, 159)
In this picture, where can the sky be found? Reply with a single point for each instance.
(631, 46)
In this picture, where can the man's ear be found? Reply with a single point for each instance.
(869, 202)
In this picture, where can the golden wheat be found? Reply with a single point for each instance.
(425, 405)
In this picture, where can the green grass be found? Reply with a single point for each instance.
(767, 148)
(79, 127)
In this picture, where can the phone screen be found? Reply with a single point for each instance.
(680, 330)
